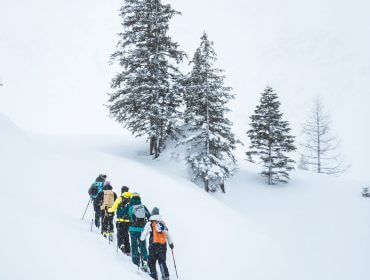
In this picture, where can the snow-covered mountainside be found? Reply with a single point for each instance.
(314, 228)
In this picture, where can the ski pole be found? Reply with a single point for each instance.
(92, 220)
(174, 263)
(86, 209)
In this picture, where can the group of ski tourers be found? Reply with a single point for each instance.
(133, 223)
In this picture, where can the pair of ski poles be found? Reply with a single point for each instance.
(83, 216)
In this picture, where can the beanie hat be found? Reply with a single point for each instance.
(155, 211)
(135, 194)
(124, 189)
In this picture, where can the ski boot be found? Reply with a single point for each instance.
(110, 234)
(144, 266)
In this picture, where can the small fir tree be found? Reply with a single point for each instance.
(270, 139)
(210, 141)
(148, 92)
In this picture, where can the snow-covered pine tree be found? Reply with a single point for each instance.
(319, 145)
(147, 91)
(270, 139)
(210, 141)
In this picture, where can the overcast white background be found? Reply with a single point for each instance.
(54, 61)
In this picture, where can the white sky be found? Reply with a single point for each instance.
(54, 61)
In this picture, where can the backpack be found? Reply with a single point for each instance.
(121, 207)
(159, 232)
(138, 216)
(96, 188)
(108, 199)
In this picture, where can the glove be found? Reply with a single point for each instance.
(171, 246)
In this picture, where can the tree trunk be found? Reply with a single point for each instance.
(223, 187)
(206, 182)
(151, 145)
(318, 139)
(270, 165)
(156, 148)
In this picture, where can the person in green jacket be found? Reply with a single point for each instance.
(138, 215)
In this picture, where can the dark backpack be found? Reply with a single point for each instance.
(138, 216)
(121, 207)
(95, 189)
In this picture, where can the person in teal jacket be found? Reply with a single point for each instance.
(138, 215)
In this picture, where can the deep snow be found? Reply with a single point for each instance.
(316, 227)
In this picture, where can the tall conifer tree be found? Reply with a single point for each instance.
(210, 139)
(270, 139)
(147, 92)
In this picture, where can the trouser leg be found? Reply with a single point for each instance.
(105, 221)
(135, 247)
(143, 250)
(97, 213)
(110, 222)
(125, 237)
(152, 262)
(119, 227)
(162, 252)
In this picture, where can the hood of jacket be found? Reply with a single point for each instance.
(135, 201)
(107, 188)
(157, 218)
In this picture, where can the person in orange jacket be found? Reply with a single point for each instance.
(159, 237)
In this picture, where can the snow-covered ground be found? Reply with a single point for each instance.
(316, 227)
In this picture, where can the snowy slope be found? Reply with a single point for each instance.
(314, 228)
(321, 223)
(44, 196)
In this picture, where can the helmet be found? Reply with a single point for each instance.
(126, 195)
(107, 183)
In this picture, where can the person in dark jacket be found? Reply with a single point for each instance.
(93, 192)
(122, 220)
(105, 200)
(159, 237)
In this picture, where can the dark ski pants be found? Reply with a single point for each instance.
(97, 213)
(107, 221)
(122, 236)
(157, 252)
(136, 246)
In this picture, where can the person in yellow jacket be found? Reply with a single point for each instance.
(122, 220)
